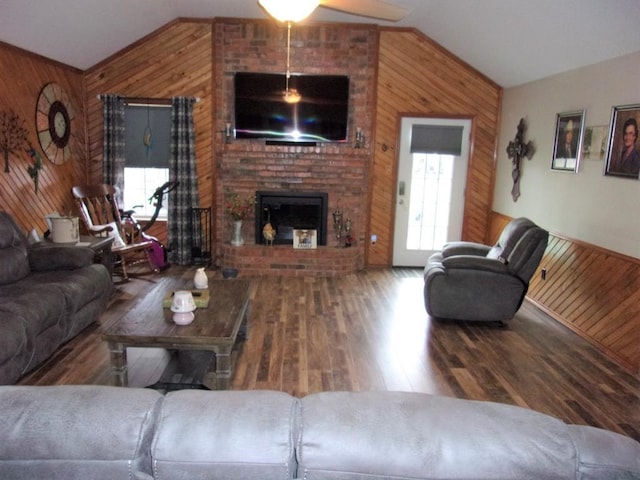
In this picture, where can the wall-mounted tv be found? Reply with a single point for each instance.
(261, 112)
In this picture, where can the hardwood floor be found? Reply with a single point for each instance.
(369, 331)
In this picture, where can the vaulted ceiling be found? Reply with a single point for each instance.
(510, 41)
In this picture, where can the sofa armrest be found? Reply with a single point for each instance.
(465, 248)
(471, 262)
(44, 258)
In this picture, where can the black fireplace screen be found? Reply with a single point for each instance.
(290, 211)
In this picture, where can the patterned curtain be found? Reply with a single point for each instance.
(182, 169)
(113, 147)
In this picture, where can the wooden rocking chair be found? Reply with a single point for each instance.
(99, 210)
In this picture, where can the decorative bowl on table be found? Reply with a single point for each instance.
(229, 272)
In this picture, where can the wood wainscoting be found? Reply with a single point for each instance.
(593, 291)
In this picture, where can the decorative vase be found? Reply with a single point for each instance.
(236, 239)
(200, 280)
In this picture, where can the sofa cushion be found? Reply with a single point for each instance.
(605, 454)
(77, 288)
(62, 433)
(38, 306)
(42, 312)
(13, 347)
(428, 437)
(14, 263)
(237, 435)
(509, 238)
(43, 257)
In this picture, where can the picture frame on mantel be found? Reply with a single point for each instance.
(305, 239)
(567, 145)
(623, 154)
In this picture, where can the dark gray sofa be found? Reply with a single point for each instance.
(98, 432)
(48, 294)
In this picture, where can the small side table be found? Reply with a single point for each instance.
(100, 245)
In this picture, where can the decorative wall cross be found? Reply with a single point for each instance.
(516, 150)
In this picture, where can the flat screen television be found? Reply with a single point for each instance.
(261, 112)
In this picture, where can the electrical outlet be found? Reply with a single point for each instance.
(374, 239)
(543, 274)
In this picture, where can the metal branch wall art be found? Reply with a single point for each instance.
(13, 136)
(516, 150)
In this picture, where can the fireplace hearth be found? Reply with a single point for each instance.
(289, 211)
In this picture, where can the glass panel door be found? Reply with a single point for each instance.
(430, 196)
(430, 201)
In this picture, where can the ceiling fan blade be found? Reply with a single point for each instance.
(368, 8)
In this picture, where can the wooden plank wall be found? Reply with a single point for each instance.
(173, 61)
(432, 82)
(23, 76)
(417, 77)
(593, 291)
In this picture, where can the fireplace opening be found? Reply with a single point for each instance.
(291, 211)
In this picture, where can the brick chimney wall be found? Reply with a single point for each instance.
(245, 166)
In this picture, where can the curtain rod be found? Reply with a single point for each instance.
(147, 100)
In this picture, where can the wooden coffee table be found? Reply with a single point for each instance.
(201, 350)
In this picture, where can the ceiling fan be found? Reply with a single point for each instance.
(368, 8)
(292, 11)
(296, 10)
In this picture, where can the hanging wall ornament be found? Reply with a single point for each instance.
(13, 136)
(34, 169)
(516, 150)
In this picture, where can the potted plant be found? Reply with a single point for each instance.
(238, 208)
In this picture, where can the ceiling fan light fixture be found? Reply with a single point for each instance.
(291, 95)
(289, 10)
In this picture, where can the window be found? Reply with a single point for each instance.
(433, 149)
(431, 180)
(147, 151)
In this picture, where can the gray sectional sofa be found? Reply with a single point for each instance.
(100, 432)
(48, 294)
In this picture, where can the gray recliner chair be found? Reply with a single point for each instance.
(471, 281)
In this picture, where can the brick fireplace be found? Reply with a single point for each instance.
(338, 170)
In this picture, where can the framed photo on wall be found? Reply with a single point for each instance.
(594, 144)
(567, 146)
(623, 157)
